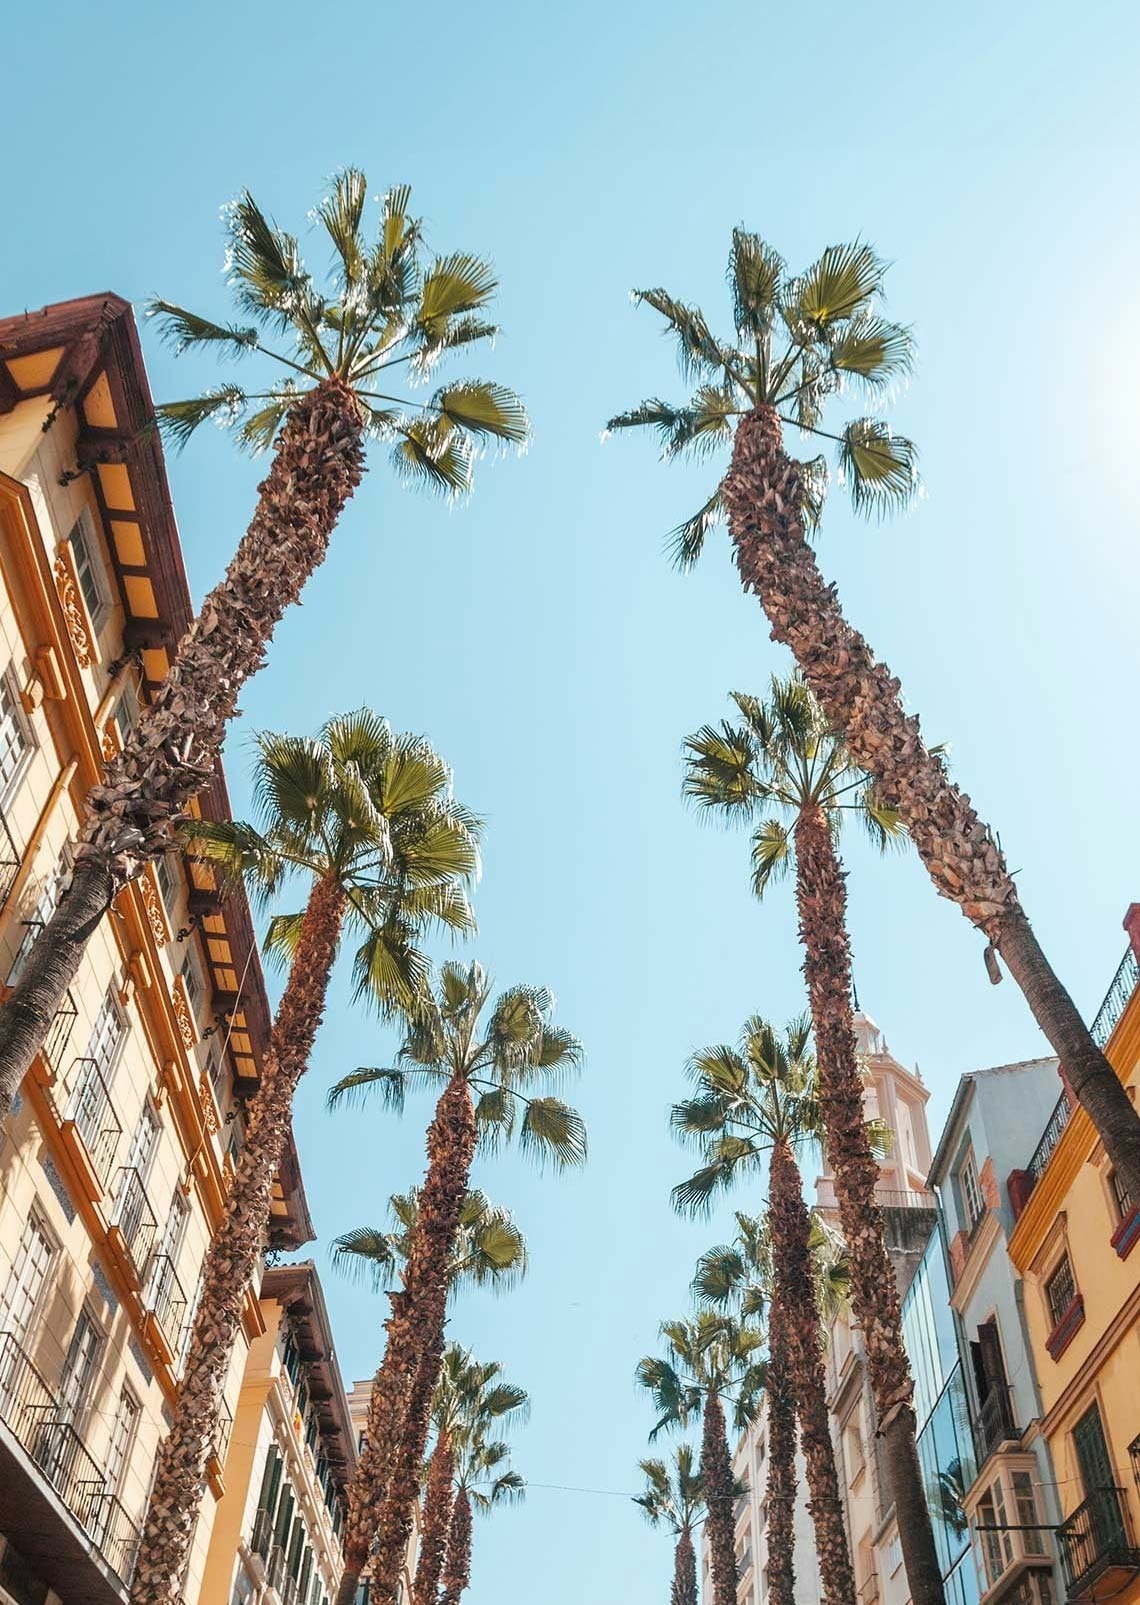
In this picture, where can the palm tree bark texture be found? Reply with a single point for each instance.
(821, 898)
(781, 1491)
(436, 1521)
(796, 1293)
(457, 1567)
(684, 1591)
(415, 1333)
(763, 494)
(318, 463)
(231, 1261)
(716, 1474)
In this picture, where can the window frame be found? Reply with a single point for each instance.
(970, 1189)
(95, 565)
(1063, 1262)
(10, 687)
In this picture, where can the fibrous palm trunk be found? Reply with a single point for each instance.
(232, 1259)
(822, 903)
(172, 750)
(781, 1492)
(684, 1591)
(399, 1409)
(716, 1475)
(457, 1566)
(795, 1292)
(436, 1522)
(763, 494)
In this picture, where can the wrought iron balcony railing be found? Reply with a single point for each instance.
(1094, 1540)
(63, 1458)
(25, 1396)
(995, 1422)
(89, 1106)
(220, 1441)
(59, 1032)
(118, 1538)
(1124, 983)
(135, 1219)
(9, 861)
(1050, 1137)
(166, 1300)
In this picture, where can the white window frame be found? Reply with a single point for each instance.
(38, 1225)
(94, 563)
(25, 733)
(969, 1185)
(197, 995)
(167, 879)
(126, 714)
(122, 1439)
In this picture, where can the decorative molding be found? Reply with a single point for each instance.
(109, 741)
(152, 903)
(182, 1013)
(210, 1117)
(74, 612)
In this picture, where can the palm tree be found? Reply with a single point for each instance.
(709, 1357)
(783, 763)
(676, 1500)
(740, 1275)
(799, 341)
(489, 1062)
(754, 1106)
(483, 1480)
(386, 311)
(488, 1250)
(471, 1397)
(369, 818)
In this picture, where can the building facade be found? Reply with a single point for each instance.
(1074, 1244)
(276, 1533)
(116, 1159)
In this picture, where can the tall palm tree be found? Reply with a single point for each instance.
(800, 340)
(676, 1499)
(783, 764)
(490, 1061)
(368, 817)
(740, 1275)
(471, 1399)
(708, 1358)
(483, 1481)
(488, 1251)
(754, 1107)
(387, 312)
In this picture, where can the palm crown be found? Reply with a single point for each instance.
(799, 339)
(740, 1274)
(387, 312)
(673, 1498)
(782, 756)
(472, 1396)
(489, 1250)
(713, 1351)
(502, 1057)
(373, 812)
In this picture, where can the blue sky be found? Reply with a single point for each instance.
(538, 634)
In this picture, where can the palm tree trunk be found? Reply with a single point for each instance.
(232, 1259)
(457, 1567)
(781, 1465)
(395, 1516)
(821, 898)
(795, 1291)
(414, 1335)
(763, 494)
(684, 1590)
(434, 1527)
(173, 749)
(716, 1474)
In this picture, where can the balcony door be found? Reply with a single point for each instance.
(91, 1099)
(131, 1206)
(1098, 1478)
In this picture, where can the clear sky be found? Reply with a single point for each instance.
(538, 635)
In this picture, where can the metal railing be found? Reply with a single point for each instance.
(118, 1538)
(995, 1422)
(24, 1393)
(166, 1299)
(59, 1031)
(1134, 1457)
(288, 1590)
(1095, 1536)
(220, 1441)
(1124, 983)
(904, 1198)
(262, 1539)
(9, 861)
(274, 1565)
(135, 1218)
(1050, 1137)
(63, 1458)
(89, 1106)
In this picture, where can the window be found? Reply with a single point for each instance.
(192, 981)
(79, 1369)
(1060, 1290)
(167, 875)
(122, 1439)
(853, 1449)
(972, 1201)
(15, 735)
(107, 1035)
(126, 713)
(89, 571)
(26, 1280)
(1121, 1196)
(46, 904)
(1007, 1524)
(894, 1555)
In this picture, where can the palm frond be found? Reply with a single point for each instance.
(837, 286)
(434, 452)
(179, 419)
(355, 1089)
(686, 542)
(453, 285)
(698, 350)
(182, 329)
(771, 855)
(755, 272)
(483, 409)
(551, 1129)
(881, 468)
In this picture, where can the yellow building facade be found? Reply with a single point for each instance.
(1075, 1245)
(115, 1162)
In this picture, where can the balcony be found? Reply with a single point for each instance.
(1098, 1558)
(1050, 1137)
(59, 1035)
(167, 1309)
(9, 861)
(91, 1129)
(995, 1423)
(1116, 999)
(134, 1229)
(119, 1538)
(219, 1443)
